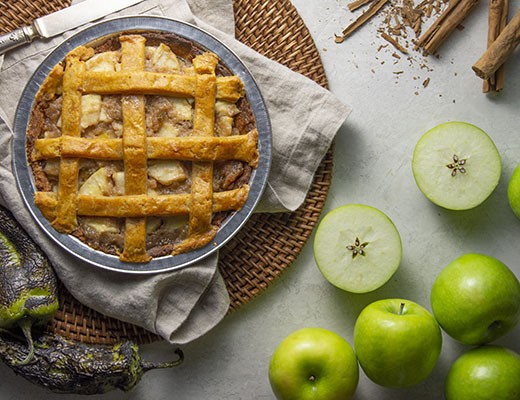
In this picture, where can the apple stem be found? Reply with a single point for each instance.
(312, 378)
(401, 309)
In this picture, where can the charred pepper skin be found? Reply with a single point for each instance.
(64, 366)
(28, 285)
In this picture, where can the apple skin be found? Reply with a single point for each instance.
(513, 192)
(314, 364)
(397, 349)
(476, 299)
(485, 373)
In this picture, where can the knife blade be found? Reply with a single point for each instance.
(62, 21)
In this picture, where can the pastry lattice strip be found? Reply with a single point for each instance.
(228, 88)
(186, 148)
(135, 148)
(140, 205)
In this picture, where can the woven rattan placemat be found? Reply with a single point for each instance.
(268, 243)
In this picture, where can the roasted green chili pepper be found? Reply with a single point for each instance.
(28, 286)
(64, 366)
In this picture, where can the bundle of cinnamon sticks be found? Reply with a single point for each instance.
(445, 24)
(503, 38)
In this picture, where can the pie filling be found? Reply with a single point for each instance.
(141, 146)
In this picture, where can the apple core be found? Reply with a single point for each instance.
(458, 165)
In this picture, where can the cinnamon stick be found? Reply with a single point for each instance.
(498, 52)
(497, 20)
(356, 4)
(369, 13)
(443, 26)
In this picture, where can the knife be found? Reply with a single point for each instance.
(61, 21)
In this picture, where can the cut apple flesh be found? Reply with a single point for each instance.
(357, 248)
(456, 165)
(513, 191)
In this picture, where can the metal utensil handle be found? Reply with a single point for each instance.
(16, 38)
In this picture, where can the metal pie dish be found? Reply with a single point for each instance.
(136, 24)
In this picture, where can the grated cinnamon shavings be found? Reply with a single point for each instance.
(399, 17)
(393, 42)
(400, 25)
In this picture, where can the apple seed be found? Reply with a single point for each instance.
(457, 165)
(357, 248)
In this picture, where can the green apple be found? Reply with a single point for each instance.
(357, 248)
(513, 191)
(456, 165)
(397, 342)
(484, 373)
(314, 363)
(476, 299)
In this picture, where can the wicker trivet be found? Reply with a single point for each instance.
(268, 243)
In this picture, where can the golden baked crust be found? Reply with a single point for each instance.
(124, 140)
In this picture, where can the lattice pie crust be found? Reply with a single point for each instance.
(142, 146)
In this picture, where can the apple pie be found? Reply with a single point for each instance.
(141, 145)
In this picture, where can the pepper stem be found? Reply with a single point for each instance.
(25, 324)
(147, 365)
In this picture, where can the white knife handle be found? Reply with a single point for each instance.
(16, 38)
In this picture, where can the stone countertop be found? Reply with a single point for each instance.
(392, 108)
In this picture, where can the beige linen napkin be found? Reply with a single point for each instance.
(181, 306)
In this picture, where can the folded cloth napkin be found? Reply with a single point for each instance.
(182, 305)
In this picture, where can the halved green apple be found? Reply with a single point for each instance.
(456, 165)
(357, 248)
(513, 191)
